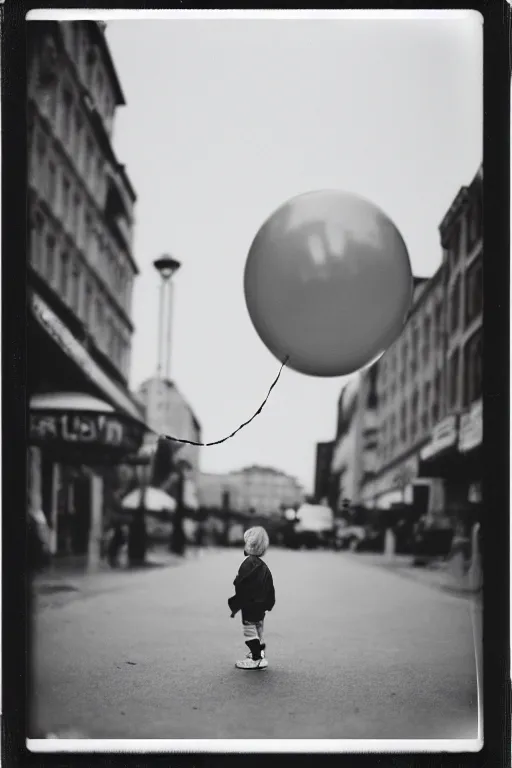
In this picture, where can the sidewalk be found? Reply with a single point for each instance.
(436, 575)
(72, 579)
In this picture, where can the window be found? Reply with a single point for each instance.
(414, 350)
(75, 287)
(37, 244)
(79, 127)
(415, 404)
(89, 151)
(455, 306)
(77, 217)
(64, 275)
(99, 313)
(439, 331)
(90, 63)
(405, 354)
(50, 258)
(473, 369)
(475, 223)
(67, 99)
(403, 423)
(427, 328)
(88, 303)
(52, 183)
(454, 244)
(453, 385)
(436, 401)
(425, 406)
(66, 194)
(88, 231)
(474, 292)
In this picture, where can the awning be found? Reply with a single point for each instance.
(77, 352)
(75, 425)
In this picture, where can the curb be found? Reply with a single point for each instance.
(406, 571)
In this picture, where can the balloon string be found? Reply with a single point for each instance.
(228, 437)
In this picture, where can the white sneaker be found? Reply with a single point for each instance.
(252, 664)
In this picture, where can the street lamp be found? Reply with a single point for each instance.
(167, 267)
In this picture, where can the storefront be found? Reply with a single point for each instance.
(81, 422)
(393, 486)
(470, 448)
(443, 459)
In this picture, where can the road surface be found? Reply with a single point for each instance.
(355, 652)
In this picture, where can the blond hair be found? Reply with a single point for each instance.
(256, 541)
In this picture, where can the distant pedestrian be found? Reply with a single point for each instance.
(254, 596)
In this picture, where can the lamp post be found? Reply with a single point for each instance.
(167, 267)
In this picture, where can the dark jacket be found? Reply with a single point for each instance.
(254, 590)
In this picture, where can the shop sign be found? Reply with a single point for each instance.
(397, 478)
(444, 435)
(83, 429)
(471, 428)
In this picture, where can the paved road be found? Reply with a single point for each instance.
(354, 652)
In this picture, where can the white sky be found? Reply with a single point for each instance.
(227, 119)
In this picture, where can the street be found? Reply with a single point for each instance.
(355, 652)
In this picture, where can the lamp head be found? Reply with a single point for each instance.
(167, 266)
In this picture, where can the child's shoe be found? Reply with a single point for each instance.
(249, 655)
(252, 663)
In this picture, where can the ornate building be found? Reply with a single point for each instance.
(262, 490)
(81, 272)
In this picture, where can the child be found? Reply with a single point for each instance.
(254, 595)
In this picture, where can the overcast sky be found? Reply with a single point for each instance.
(227, 119)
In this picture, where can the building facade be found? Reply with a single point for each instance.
(81, 273)
(429, 382)
(262, 490)
(323, 484)
(167, 412)
(409, 380)
(453, 454)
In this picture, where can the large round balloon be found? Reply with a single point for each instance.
(328, 283)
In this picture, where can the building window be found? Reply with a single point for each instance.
(77, 217)
(426, 406)
(454, 244)
(79, 127)
(89, 157)
(68, 106)
(453, 374)
(90, 63)
(75, 287)
(414, 350)
(88, 231)
(475, 229)
(403, 423)
(405, 355)
(37, 244)
(438, 324)
(474, 292)
(427, 326)
(99, 314)
(64, 275)
(50, 258)
(66, 194)
(473, 369)
(436, 402)
(88, 304)
(455, 306)
(52, 183)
